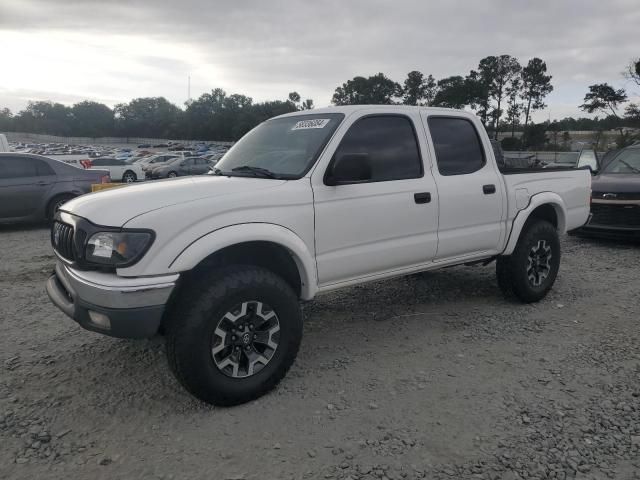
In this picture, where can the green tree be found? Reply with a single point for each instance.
(452, 92)
(92, 119)
(534, 136)
(148, 117)
(376, 90)
(536, 85)
(633, 71)
(294, 97)
(631, 115)
(44, 117)
(418, 89)
(6, 120)
(602, 97)
(514, 109)
(497, 73)
(477, 95)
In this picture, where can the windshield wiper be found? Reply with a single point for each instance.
(631, 167)
(257, 170)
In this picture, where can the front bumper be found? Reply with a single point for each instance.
(609, 231)
(105, 303)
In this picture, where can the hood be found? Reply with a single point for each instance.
(116, 206)
(616, 183)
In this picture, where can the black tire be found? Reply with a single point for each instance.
(172, 175)
(516, 278)
(55, 203)
(129, 177)
(192, 321)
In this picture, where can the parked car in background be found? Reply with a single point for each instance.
(213, 157)
(144, 145)
(119, 170)
(179, 167)
(149, 163)
(32, 187)
(615, 197)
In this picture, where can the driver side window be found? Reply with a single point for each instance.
(389, 144)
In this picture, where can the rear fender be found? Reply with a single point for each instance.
(543, 198)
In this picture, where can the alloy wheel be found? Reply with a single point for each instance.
(539, 263)
(245, 339)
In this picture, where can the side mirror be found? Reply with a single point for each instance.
(349, 168)
(183, 164)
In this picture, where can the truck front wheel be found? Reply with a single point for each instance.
(233, 335)
(531, 270)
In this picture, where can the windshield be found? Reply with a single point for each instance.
(627, 161)
(284, 147)
(588, 158)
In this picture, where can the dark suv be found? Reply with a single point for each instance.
(32, 187)
(615, 198)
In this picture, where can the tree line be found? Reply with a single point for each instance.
(500, 87)
(213, 116)
(501, 91)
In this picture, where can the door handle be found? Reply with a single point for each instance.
(43, 184)
(489, 189)
(422, 197)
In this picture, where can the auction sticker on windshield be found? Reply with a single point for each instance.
(315, 123)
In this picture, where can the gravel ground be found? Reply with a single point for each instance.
(430, 376)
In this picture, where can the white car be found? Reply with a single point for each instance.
(120, 170)
(305, 203)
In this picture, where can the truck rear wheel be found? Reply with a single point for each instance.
(531, 270)
(233, 335)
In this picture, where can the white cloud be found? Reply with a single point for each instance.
(114, 51)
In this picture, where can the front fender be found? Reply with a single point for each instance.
(537, 200)
(204, 246)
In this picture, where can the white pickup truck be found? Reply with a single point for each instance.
(305, 203)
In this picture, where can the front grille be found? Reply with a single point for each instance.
(62, 240)
(615, 215)
(616, 195)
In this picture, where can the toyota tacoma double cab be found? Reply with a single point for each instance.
(304, 203)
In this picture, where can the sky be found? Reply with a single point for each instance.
(113, 51)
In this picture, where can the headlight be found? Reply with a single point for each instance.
(117, 249)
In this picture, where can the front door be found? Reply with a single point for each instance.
(386, 223)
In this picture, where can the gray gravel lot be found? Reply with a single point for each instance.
(430, 376)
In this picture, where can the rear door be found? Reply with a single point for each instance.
(470, 188)
(389, 223)
(25, 184)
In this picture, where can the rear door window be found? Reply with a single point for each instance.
(14, 167)
(457, 145)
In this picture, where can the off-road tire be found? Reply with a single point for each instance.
(511, 271)
(191, 323)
